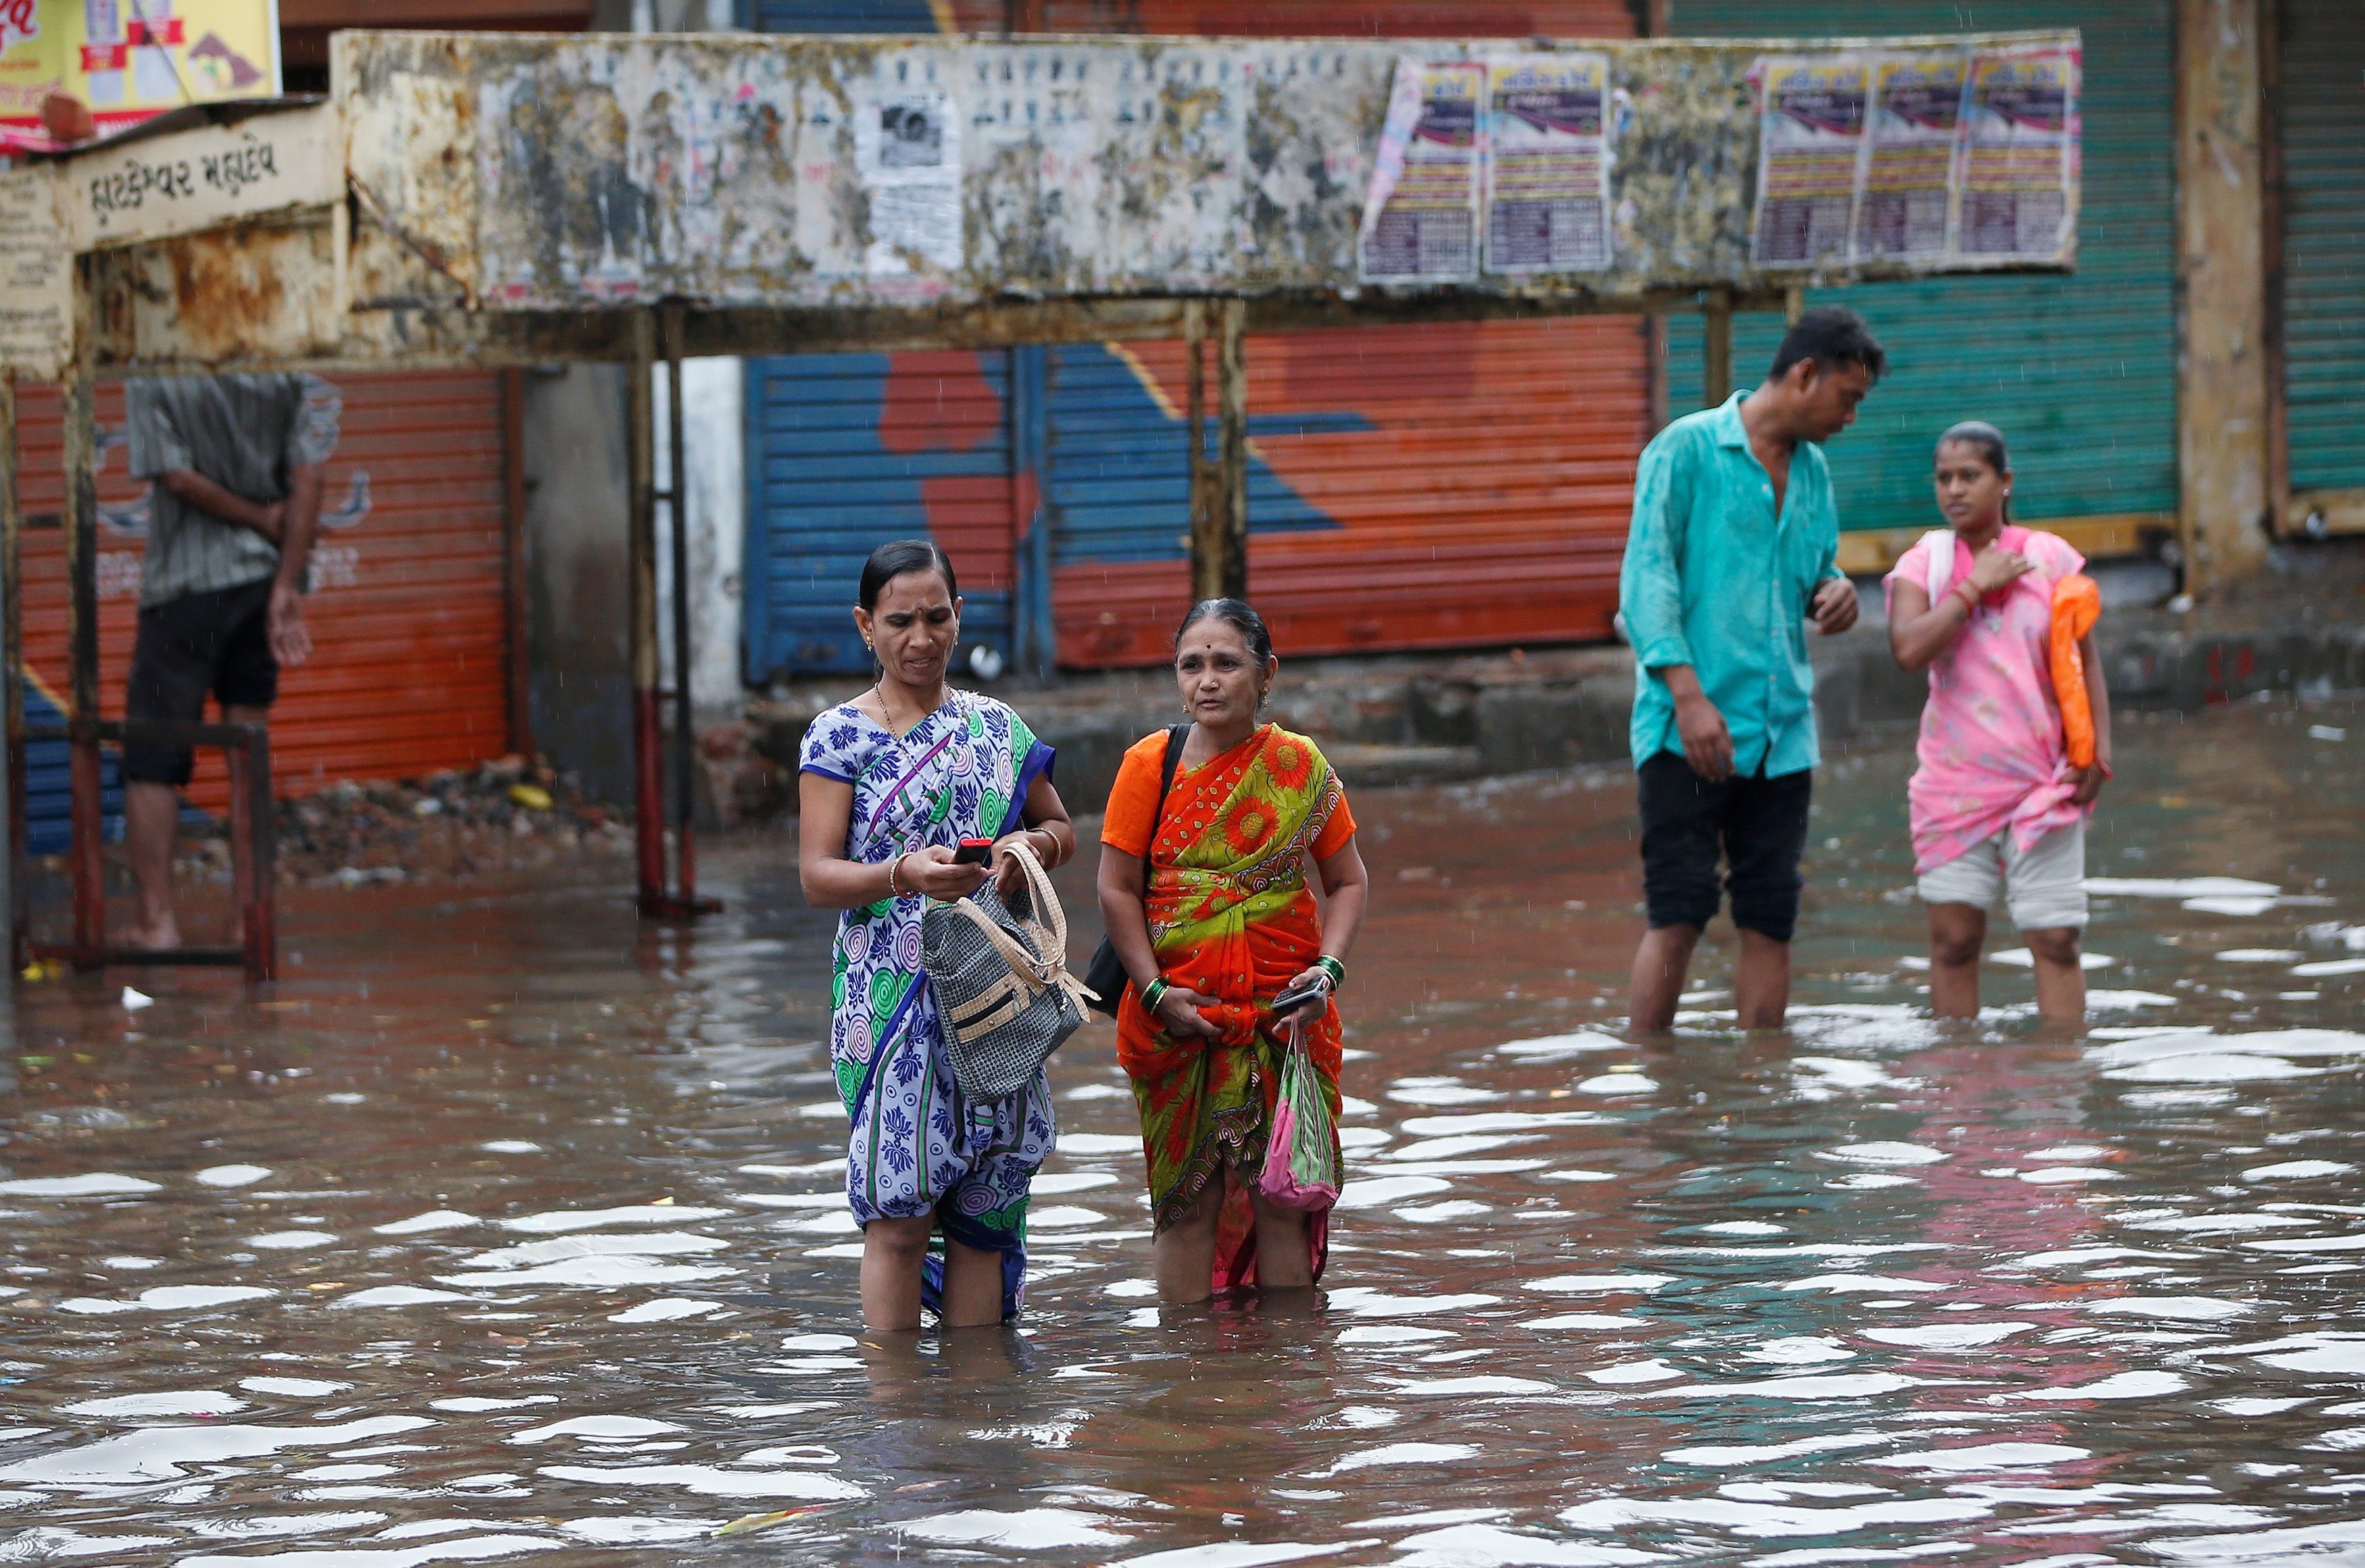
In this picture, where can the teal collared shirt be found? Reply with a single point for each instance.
(1715, 580)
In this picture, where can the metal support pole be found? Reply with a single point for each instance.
(685, 730)
(1716, 348)
(1030, 386)
(81, 641)
(516, 651)
(254, 852)
(640, 552)
(12, 653)
(1206, 539)
(1231, 366)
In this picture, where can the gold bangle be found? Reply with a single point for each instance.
(893, 867)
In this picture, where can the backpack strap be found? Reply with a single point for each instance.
(1938, 562)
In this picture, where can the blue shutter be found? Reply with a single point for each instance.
(49, 787)
(824, 492)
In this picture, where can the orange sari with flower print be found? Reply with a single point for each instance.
(1232, 917)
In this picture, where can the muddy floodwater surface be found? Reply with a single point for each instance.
(510, 1226)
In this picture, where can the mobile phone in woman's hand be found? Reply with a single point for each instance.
(1291, 1001)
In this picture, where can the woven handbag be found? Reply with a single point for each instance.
(1000, 974)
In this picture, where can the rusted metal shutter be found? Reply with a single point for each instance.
(409, 614)
(1420, 486)
(1417, 487)
(2323, 126)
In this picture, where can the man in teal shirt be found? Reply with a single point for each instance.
(1733, 550)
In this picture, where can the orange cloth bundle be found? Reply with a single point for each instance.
(2076, 605)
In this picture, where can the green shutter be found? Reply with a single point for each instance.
(2324, 241)
(2079, 371)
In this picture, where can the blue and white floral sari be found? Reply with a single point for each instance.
(919, 1145)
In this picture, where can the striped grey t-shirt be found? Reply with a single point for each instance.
(245, 433)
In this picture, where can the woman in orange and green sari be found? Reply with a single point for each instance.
(1202, 886)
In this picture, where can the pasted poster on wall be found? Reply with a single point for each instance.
(1809, 148)
(1906, 210)
(129, 60)
(1932, 158)
(1420, 220)
(1547, 193)
(2020, 156)
(37, 270)
(907, 149)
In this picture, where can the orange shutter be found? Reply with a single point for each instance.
(408, 616)
(1416, 487)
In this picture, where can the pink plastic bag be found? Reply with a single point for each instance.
(1301, 1158)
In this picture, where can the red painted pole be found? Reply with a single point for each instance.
(641, 562)
(81, 454)
(254, 837)
(89, 867)
(685, 728)
(648, 796)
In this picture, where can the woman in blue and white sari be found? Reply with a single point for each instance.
(890, 785)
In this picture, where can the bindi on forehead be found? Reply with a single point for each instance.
(1227, 640)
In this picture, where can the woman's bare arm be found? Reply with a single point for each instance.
(1919, 631)
(825, 807)
(1918, 634)
(2098, 700)
(1048, 832)
(1346, 894)
(1126, 918)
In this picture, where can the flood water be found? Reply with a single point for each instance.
(510, 1226)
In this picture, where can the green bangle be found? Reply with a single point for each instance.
(1153, 993)
(1333, 968)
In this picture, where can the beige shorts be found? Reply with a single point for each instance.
(2044, 885)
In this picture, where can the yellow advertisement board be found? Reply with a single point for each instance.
(128, 61)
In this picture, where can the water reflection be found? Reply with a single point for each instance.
(511, 1227)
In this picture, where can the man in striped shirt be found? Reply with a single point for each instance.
(237, 464)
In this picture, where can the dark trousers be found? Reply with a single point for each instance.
(1756, 826)
(218, 641)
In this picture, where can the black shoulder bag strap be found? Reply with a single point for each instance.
(1175, 737)
(1106, 975)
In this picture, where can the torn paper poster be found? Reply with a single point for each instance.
(2020, 156)
(1547, 163)
(1812, 115)
(907, 155)
(1906, 210)
(1420, 220)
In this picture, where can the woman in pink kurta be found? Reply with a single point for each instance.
(1996, 803)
